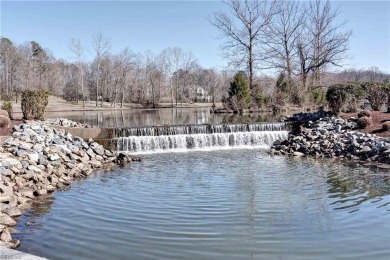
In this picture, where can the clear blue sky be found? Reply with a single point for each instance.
(156, 25)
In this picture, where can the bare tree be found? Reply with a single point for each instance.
(101, 45)
(77, 49)
(153, 75)
(325, 44)
(214, 84)
(127, 62)
(177, 56)
(244, 31)
(8, 62)
(284, 32)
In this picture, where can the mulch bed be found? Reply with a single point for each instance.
(378, 118)
(7, 131)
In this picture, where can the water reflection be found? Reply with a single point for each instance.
(148, 117)
(352, 188)
(214, 205)
(40, 206)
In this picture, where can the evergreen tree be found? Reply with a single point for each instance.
(239, 89)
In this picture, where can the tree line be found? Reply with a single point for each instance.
(286, 50)
(173, 75)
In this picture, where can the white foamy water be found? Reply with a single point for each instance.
(187, 142)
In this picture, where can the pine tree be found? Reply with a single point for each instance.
(239, 89)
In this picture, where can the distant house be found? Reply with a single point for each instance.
(202, 95)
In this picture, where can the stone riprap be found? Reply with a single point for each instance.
(65, 122)
(37, 160)
(333, 137)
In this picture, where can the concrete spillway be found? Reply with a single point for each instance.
(198, 137)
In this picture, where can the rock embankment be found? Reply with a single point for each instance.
(65, 122)
(333, 137)
(37, 160)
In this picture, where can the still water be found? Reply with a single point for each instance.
(216, 205)
(150, 117)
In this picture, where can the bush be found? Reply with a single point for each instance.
(4, 121)
(282, 83)
(386, 126)
(363, 113)
(6, 98)
(34, 103)
(344, 97)
(258, 96)
(364, 122)
(298, 97)
(386, 88)
(336, 97)
(7, 107)
(319, 97)
(376, 94)
(3, 113)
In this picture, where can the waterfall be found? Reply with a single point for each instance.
(198, 137)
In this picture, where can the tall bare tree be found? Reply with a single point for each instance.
(77, 49)
(325, 43)
(101, 45)
(245, 30)
(284, 32)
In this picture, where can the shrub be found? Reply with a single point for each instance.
(258, 96)
(34, 103)
(5, 97)
(336, 97)
(363, 113)
(344, 97)
(386, 89)
(7, 106)
(364, 122)
(376, 94)
(282, 83)
(3, 113)
(319, 97)
(386, 126)
(4, 121)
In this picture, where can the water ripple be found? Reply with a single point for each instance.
(216, 205)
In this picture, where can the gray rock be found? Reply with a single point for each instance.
(95, 163)
(99, 151)
(5, 235)
(42, 160)
(90, 153)
(27, 192)
(6, 190)
(12, 211)
(25, 146)
(34, 169)
(298, 154)
(33, 156)
(6, 220)
(54, 157)
(25, 164)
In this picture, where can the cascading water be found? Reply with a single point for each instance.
(197, 137)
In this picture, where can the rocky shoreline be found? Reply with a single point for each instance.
(65, 122)
(37, 160)
(324, 135)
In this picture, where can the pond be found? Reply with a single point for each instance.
(167, 116)
(224, 204)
